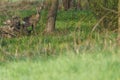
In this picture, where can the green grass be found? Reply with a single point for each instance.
(72, 52)
(95, 66)
(68, 29)
(72, 34)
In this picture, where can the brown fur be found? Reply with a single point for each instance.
(32, 20)
(21, 25)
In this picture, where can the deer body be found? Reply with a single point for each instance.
(32, 20)
(21, 25)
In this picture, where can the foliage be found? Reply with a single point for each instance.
(96, 66)
(72, 52)
(73, 33)
(106, 8)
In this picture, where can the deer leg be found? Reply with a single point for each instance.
(33, 28)
(25, 31)
(21, 30)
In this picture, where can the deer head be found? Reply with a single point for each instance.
(38, 9)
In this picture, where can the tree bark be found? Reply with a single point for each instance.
(65, 4)
(118, 38)
(50, 27)
(79, 7)
(72, 4)
(83, 4)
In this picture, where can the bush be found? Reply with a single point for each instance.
(107, 8)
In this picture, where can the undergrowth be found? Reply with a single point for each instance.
(72, 52)
(73, 34)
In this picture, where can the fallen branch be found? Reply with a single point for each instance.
(5, 32)
(101, 19)
(110, 10)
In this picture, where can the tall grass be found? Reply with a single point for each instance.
(72, 52)
(94, 66)
(73, 33)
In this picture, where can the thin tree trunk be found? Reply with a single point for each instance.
(79, 7)
(50, 27)
(72, 4)
(118, 24)
(65, 4)
(83, 4)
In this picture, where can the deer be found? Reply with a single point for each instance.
(21, 24)
(32, 20)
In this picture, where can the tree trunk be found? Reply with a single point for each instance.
(50, 27)
(83, 4)
(118, 38)
(79, 7)
(72, 4)
(65, 4)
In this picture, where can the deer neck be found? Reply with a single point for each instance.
(37, 15)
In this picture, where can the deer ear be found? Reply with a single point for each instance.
(38, 9)
(42, 5)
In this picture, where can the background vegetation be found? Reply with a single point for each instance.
(74, 51)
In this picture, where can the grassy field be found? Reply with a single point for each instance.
(72, 52)
(94, 66)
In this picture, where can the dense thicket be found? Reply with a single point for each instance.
(106, 9)
(103, 9)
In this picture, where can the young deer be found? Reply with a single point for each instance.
(32, 20)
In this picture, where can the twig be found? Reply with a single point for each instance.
(111, 10)
(9, 33)
(98, 22)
